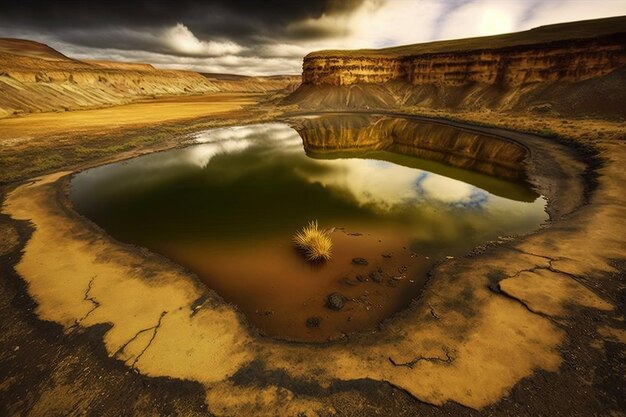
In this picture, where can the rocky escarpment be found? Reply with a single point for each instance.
(564, 61)
(36, 78)
(571, 68)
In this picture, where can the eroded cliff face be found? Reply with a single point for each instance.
(571, 76)
(572, 62)
(338, 70)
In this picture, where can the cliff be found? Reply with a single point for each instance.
(573, 68)
(37, 78)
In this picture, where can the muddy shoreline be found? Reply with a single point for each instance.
(561, 206)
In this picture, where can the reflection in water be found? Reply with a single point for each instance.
(227, 207)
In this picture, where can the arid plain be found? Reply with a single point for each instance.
(519, 325)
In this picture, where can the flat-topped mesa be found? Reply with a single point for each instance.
(570, 60)
(571, 69)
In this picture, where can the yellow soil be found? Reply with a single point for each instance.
(544, 291)
(133, 115)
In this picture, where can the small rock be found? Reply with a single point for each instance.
(449, 257)
(376, 276)
(398, 278)
(361, 278)
(313, 322)
(387, 255)
(335, 301)
(264, 312)
(349, 281)
(359, 261)
(355, 234)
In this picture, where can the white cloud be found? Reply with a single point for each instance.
(482, 18)
(375, 24)
(180, 39)
(493, 17)
(559, 11)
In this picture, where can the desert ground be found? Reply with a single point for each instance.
(530, 325)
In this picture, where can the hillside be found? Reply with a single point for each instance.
(573, 68)
(37, 78)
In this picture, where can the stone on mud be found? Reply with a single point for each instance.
(335, 301)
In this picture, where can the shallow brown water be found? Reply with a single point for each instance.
(228, 207)
(278, 290)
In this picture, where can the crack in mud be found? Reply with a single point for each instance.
(410, 364)
(89, 298)
(578, 279)
(154, 333)
(535, 255)
(154, 330)
(551, 268)
(500, 291)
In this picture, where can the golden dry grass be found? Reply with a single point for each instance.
(161, 110)
(315, 243)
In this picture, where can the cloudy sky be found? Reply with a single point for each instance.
(270, 37)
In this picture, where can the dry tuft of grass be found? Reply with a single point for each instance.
(315, 243)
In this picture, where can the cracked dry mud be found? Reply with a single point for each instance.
(484, 323)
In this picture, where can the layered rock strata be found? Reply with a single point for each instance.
(575, 68)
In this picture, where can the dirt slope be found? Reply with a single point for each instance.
(37, 78)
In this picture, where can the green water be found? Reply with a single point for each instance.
(251, 183)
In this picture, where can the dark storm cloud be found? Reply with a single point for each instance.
(268, 37)
(183, 28)
(236, 20)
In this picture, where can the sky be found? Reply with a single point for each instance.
(270, 37)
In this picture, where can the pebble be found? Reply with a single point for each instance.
(335, 301)
(312, 322)
(376, 276)
(359, 261)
